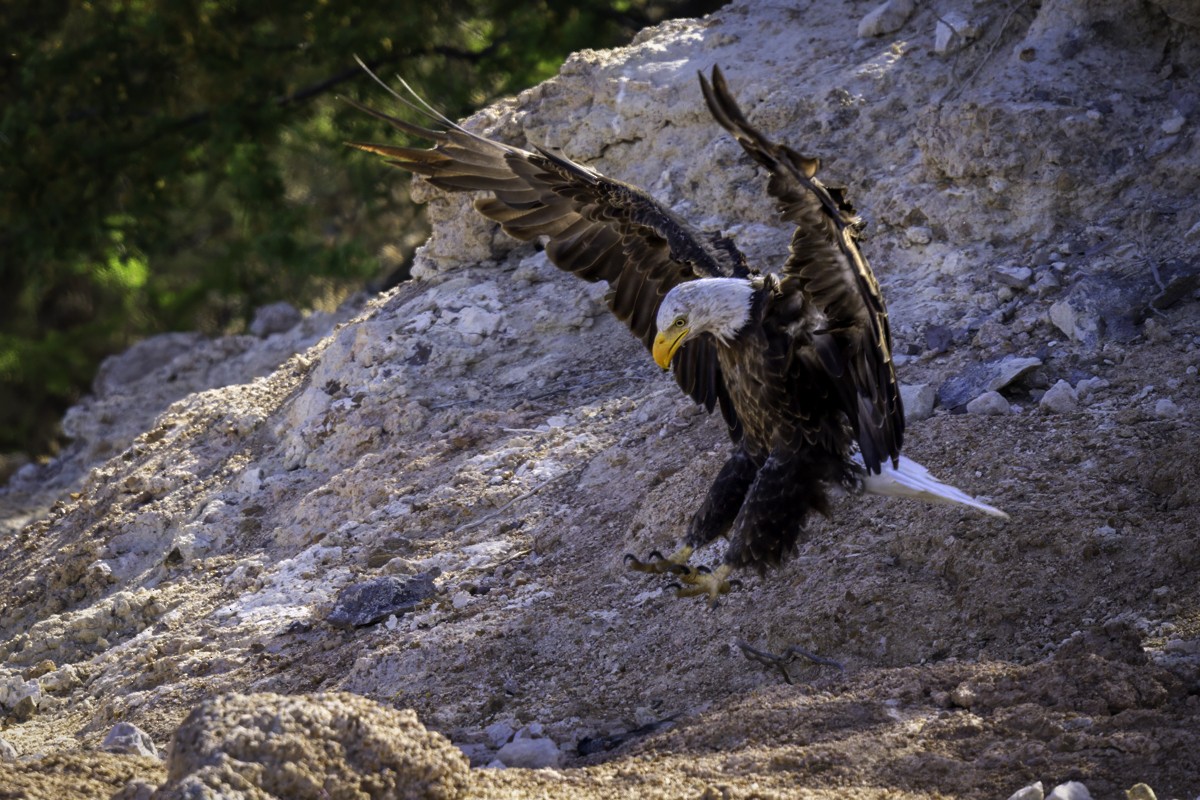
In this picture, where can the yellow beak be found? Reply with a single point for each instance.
(665, 345)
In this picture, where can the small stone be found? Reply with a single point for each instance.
(1071, 790)
(375, 600)
(1154, 331)
(1140, 791)
(1090, 386)
(1059, 399)
(918, 400)
(963, 695)
(25, 709)
(990, 376)
(15, 688)
(1189, 647)
(1077, 322)
(938, 338)
(135, 790)
(1173, 125)
(38, 670)
(1033, 791)
(128, 739)
(1165, 408)
(887, 18)
(953, 33)
(7, 751)
(918, 234)
(499, 733)
(989, 404)
(1009, 369)
(62, 679)
(477, 753)
(530, 753)
(274, 318)
(1177, 288)
(477, 321)
(534, 730)
(1046, 284)
(1013, 277)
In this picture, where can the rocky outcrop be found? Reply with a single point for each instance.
(488, 433)
(309, 746)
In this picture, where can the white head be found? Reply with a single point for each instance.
(720, 306)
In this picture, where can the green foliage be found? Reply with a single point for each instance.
(168, 165)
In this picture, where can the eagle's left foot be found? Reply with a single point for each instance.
(702, 581)
(658, 564)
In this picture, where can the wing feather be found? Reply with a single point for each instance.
(827, 266)
(597, 228)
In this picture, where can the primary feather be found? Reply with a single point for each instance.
(798, 360)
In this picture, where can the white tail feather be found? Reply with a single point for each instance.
(911, 479)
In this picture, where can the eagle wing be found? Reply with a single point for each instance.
(854, 344)
(595, 227)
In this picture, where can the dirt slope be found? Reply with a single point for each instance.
(1031, 195)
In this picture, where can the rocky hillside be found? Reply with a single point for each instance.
(308, 562)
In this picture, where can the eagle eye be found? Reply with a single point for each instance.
(680, 322)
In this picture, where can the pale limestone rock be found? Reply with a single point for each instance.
(1071, 790)
(1034, 791)
(329, 744)
(530, 753)
(953, 32)
(989, 404)
(7, 751)
(918, 401)
(128, 739)
(886, 18)
(1059, 399)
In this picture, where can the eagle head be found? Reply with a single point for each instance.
(719, 306)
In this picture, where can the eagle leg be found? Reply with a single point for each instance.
(724, 499)
(771, 519)
(713, 519)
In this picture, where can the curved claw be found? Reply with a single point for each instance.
(713, 583)
(655, 563)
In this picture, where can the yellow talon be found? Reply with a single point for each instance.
(714, 584)
(676, 562)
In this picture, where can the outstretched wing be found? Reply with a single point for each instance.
(598, 228)
(854, 346)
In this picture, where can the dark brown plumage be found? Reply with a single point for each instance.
(803, 374)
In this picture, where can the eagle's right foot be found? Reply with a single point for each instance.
(708, 583)
(658, 564)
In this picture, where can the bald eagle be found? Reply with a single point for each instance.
(798, 361)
